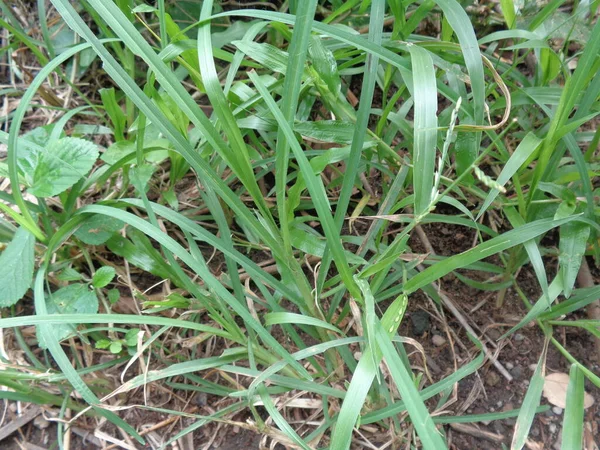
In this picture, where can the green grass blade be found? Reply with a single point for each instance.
(425, 123)
(169, 82)
(47, 333)
(362, 378)
(461, 24)
(238, 155)
(530, 403)
(554, 290)
(488, 248)
(574, 86)
(291, 86)
(572, 246)
(177, 250)
(508, 11)
(572, 432)
(276, 318)
(181, 144)
(110, 318)
(316, 189)
(430, 437)
(360, 127)
(277, 417)
(428, 392)
(523, 151)
(532, 250)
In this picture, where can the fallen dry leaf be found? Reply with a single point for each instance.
(555, 390)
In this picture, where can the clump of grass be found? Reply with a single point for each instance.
(277, 166)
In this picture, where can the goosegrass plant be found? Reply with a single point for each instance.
(283, 160)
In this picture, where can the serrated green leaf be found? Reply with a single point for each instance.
(103, 343)
(72, 299)
(69, 274)
(17, 262)
(103, 276)
(97, 229)
(131, 337)
(115, 347)
(113, 296)
(60, 165)
(117, 151)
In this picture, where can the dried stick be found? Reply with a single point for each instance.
(585, 280)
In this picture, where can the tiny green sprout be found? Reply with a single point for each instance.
(116, 346)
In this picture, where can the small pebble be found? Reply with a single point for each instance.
(532, 367)
(492, 378)
(556, 410)
(519, 337)
(40, 422)
(516, 372)
(552, 428)
(535, 432)
(499, 404)
(499, 428)
(420, 322)
(509, 365)
(438, 340)
(201, 398)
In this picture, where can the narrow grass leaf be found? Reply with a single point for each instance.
(428, 392)
(360, 127)
(277, 318)
(542, 305)
(532, 250)
(530, 403)
(488, 248)
(572, 246)
(47, 334)
(524, 150)
(572, 431)
(291, 86)
(316, 189)
(181, 144)
(508, 11)
(425, 122)
(430, 437)
(458, 19)
(177, 250)
(363, 377)
(238, 155)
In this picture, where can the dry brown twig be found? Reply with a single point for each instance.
(585, 280)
